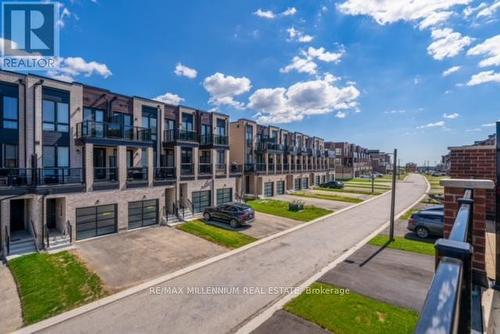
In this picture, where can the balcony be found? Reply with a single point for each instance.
(137, 177)
(214, 140)
(220, 170)
(176, 136)
(309, 152)
(187, 171)
(260, 167)
(164, 176)
(270, 168)
(205, 170)
(235, 169)
(279, 168)
(293, 150)
(105, 178)
(112, 133)
(27, 180)
(249, 168)
(269, 147)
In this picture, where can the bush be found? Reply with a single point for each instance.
(296, 206)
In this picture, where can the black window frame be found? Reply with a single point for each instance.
(57, 97)
(224, 195)
(140, 215)
(96, 220)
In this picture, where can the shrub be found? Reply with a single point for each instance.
(296, 206)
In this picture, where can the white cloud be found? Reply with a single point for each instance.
(439, 124)
(324, 55)
(395, 111)
(451, 116)
(341, 114)
(490, 49)
(70, 67)
(223, 89)
(390, 11)
(169, 98)
(488, 125)
(184, 71)
(299, 36)
(490, 10)
(64, 14)
(434, 19)
(321, 96)
(473, 130)
(451, 70)
(301, 65)
(484, 77)
(447, 43)
(265, 14)
(290, 11)
(468, 11)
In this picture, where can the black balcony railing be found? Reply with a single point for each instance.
(279, 168)
(235, 169)
(270, 168)
(187, 169)
(209, 139)
(164, 173)
(174, 135)
(137, 174)
(220, 168)
(16, 177)
(293, 150)
(106, 174)
(221, 140)
(449, 306)
(249, 167)
(260, 167)
(59, 175)
(205, 168)
(103, 130)
(286, 167)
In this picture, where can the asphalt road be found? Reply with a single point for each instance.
(285, 261)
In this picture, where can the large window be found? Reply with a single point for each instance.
(10, 112)
(187, 122)
(249, 133)
(9, 156)
(142, 213)
(55, 116)
(149, 120)
(221, 157)
(221, 127)
(55, 156)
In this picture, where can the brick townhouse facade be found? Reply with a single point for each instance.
(351, 160)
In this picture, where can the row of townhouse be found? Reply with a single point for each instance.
(380, 161)
(78, 162)
(351, 160)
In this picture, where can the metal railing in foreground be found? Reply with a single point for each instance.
(449, 306)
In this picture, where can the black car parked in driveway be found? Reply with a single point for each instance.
(235, 214)
(427, 222)
(333, 185)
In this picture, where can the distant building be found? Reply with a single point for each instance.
(351, 160)
(411, 167)
(380, 161)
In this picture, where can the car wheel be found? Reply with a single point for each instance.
(233, 223)
(422, 232)
(206, 216)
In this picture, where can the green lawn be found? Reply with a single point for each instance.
(50, 284)
(332, 197)
(280, 208)
(220, 236)
(351, 313)
(404, 244)
(363, 191)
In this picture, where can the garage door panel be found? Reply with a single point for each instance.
(200, 200)
(280, 187)
(224, 195)
(95, 221)
(142, 213)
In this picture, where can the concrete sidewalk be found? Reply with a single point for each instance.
(285, 261)
(10, 313)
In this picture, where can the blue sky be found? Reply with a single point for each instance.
(368, 71)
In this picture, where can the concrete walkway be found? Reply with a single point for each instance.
(10, 312)
(285, 261)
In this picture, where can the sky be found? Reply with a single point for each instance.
(417, 75)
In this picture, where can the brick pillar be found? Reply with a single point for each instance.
(454, 190)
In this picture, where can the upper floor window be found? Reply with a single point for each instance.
(221, 127)
(249, 133)
(187, 122)
(9, 156)
(10, 112)
(149, 120)
(55, 116)
(55, 156)
(96, 115)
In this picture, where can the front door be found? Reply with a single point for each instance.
(51, 213)
(16, 215)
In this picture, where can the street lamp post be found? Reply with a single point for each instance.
(393, 195)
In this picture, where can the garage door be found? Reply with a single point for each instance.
(297, 184)
(268, 189)
(201, 200)
(142, 213)
(224, 195)
(95, 221)
(318, 180)
(305, 183)
(280, 187)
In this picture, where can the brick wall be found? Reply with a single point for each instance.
(472, 162)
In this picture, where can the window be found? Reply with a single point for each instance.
(55, 116)
(149, 120)
(221, 157)
(187, 122)
(10, 112)
(249, 134)
(224, 195)
(186, 156)
(9, 156)
(55, 156)
(221, 127)
(204, 157)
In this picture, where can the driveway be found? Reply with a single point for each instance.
(127, 259)
(395, 277)
(10, 313)
(285, 261)
(321, 203)
(263, 226)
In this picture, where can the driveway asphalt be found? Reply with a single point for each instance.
(130, 258)
(10, 313)
(395, 277)
(285, 261)
(283, 322)
(264, 225)
(321, 203)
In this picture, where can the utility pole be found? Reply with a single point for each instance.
(373, 183)
(393, 196)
